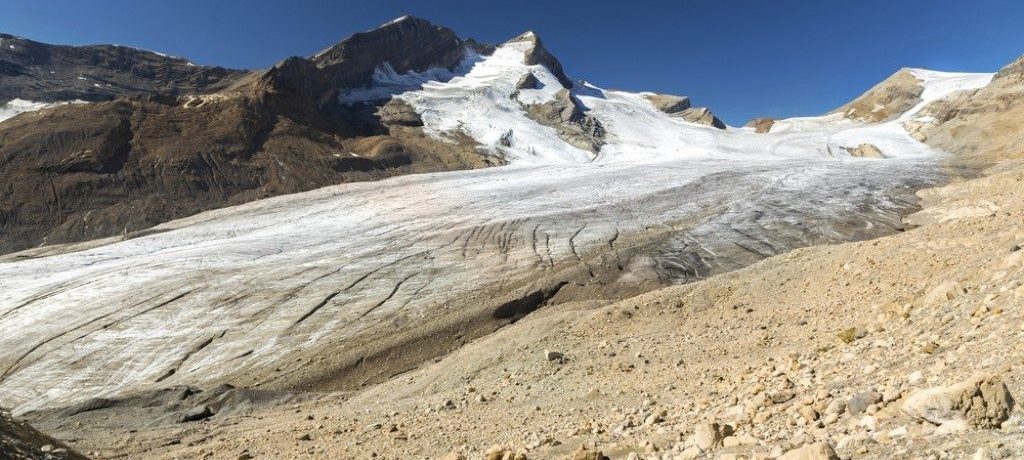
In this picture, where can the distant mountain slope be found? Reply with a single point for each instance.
(39, 72)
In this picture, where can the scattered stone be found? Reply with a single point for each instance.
(808, 413)
(583, 453)
(502, 453)
(837, 407)
(816, 451)
(859, 403)
(707, 436)
(982, 401)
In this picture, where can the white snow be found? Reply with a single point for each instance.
(480, 105)
(386, 82)
(939, 85)
(18, 106)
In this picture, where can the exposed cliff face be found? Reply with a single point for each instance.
(40, 72)
(567, 116)
(985, 123)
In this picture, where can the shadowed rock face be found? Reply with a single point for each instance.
(51, 73)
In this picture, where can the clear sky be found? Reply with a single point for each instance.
(741, 58)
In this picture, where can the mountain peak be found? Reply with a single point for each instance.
(407, 43)
(538, 54)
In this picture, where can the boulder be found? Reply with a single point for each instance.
(195, 414)
(860, 401)
(983, 401)
(707, 436)
(865, 151)
(816, 451)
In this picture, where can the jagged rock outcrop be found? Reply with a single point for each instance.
(680, 106)
(761, 125)
(567, 116)
(668, 103)
(540, 55)
(702, 116)
(41, 72)
(886, 100)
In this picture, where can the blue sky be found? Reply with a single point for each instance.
(741, 58)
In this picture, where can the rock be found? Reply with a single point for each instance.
(707, 436)
(982, 401)
(570, 120)
(761, 125)
(837, 406)
(951, 427)
(529, 81)
(808, 413)
(816, 451)
(739, 440)
(555, 356)
(865, 151)
(668, 103)
(583, 453)
(454, 456)
(305, 437)
(859, 403)
(701, 116)
(399, 113)
(942, 293)
(501, 453)
(195, 414)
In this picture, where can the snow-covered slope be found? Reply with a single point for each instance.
(940, 85)
(486, 104)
